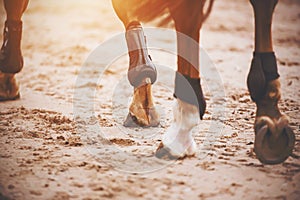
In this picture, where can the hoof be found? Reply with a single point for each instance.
(274, 138)
(143, 120)
(165, 153)
(130, 121)
(6, 98)
(9, 89)
(271, 147)
(142, 112)
(178, 142)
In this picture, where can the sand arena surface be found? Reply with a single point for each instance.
(42, 155)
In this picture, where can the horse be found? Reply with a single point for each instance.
(274, 139)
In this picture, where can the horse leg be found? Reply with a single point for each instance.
(141, 72)
(274, 139)
(190, 104)
(11, 60)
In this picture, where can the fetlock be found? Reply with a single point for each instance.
(190, 91)
(263, 70)
(268, 105)
(140, 63)
(267, 108)
(11, 59)
(264, 87)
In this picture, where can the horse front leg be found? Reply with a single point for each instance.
(190, 104)
(274, 139)
(141, 72)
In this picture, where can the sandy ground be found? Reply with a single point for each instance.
(49, 148)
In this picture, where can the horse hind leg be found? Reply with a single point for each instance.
(141, 72)
(274, 139)
(141, 75)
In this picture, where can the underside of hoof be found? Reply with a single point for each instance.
(142, 112)
(273, 148)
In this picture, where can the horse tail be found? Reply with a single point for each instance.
(157, 11)
(209, 8)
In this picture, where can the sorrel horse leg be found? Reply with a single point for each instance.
(141, 72)
(11, 60)
(274, 139)
(190, 103)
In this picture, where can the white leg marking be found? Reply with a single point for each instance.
(178, 137)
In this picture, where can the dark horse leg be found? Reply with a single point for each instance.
(274, 139)
(190, 104)
(11, 60)
(141, 72)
